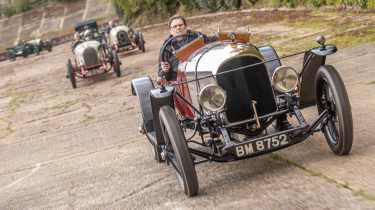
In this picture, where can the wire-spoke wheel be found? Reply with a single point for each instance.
(332, 96)
(71, 74)
(116, 64)
(141, 44)
(177, 152)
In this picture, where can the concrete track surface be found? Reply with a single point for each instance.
(79, 149)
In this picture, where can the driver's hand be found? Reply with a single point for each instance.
(161, 81)
(165, 66)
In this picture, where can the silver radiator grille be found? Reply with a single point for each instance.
(90, 56)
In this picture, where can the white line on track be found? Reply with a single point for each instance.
(35, 169)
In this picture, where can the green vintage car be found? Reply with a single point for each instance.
(24, 49)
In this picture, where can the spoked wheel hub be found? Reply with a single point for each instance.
(327, 102)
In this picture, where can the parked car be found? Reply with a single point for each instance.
(125, 38)
(91, 54)
(41, 45)
(228, 100)
(25, 49)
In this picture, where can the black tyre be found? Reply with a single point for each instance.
(49, 47)
(116, 64)
(11, 57)
(141, 43)
(71, 74)
(176, 145)
(332, 96)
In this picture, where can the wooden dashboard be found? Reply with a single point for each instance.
(234, 36)
(184, 52)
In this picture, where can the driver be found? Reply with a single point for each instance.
(111, 24)
(177, 27)
(167, 71)
(76, 40)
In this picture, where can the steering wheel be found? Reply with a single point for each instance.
(164, 49)
(163, 55)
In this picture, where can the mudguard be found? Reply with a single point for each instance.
(311, 64)
(160, 98)
(142, 87)
(269, 53)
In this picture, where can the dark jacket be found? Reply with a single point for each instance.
(172, 47)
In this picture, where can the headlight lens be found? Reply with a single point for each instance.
(212, 98)
(285, 79)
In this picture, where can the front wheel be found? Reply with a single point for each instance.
(49, 47)
(177, 151)
(12, 57)
(37, 51)
(71, 74)
(332, 96)
(141, 43)
(116, 64)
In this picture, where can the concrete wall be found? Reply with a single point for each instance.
(49, 20)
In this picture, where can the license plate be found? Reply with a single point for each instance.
(261, 145)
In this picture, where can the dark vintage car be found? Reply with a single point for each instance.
(41, 45)
(91, 54)
(122, 37)
(25, 49)
(233, 100)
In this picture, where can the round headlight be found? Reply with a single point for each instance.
(285, 79)
(212, 98)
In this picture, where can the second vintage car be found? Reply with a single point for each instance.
(91, 54)
(122, 37)
(233, 100)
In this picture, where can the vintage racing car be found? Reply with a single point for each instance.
(122, 37)
(25, 49)
(92, 55)
(232, 99)
(41, 45)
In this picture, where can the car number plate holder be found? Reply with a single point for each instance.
(261, 145)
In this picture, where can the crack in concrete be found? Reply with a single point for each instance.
(340, 184)
(134, 192)
(87, 116)
(7, 130)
